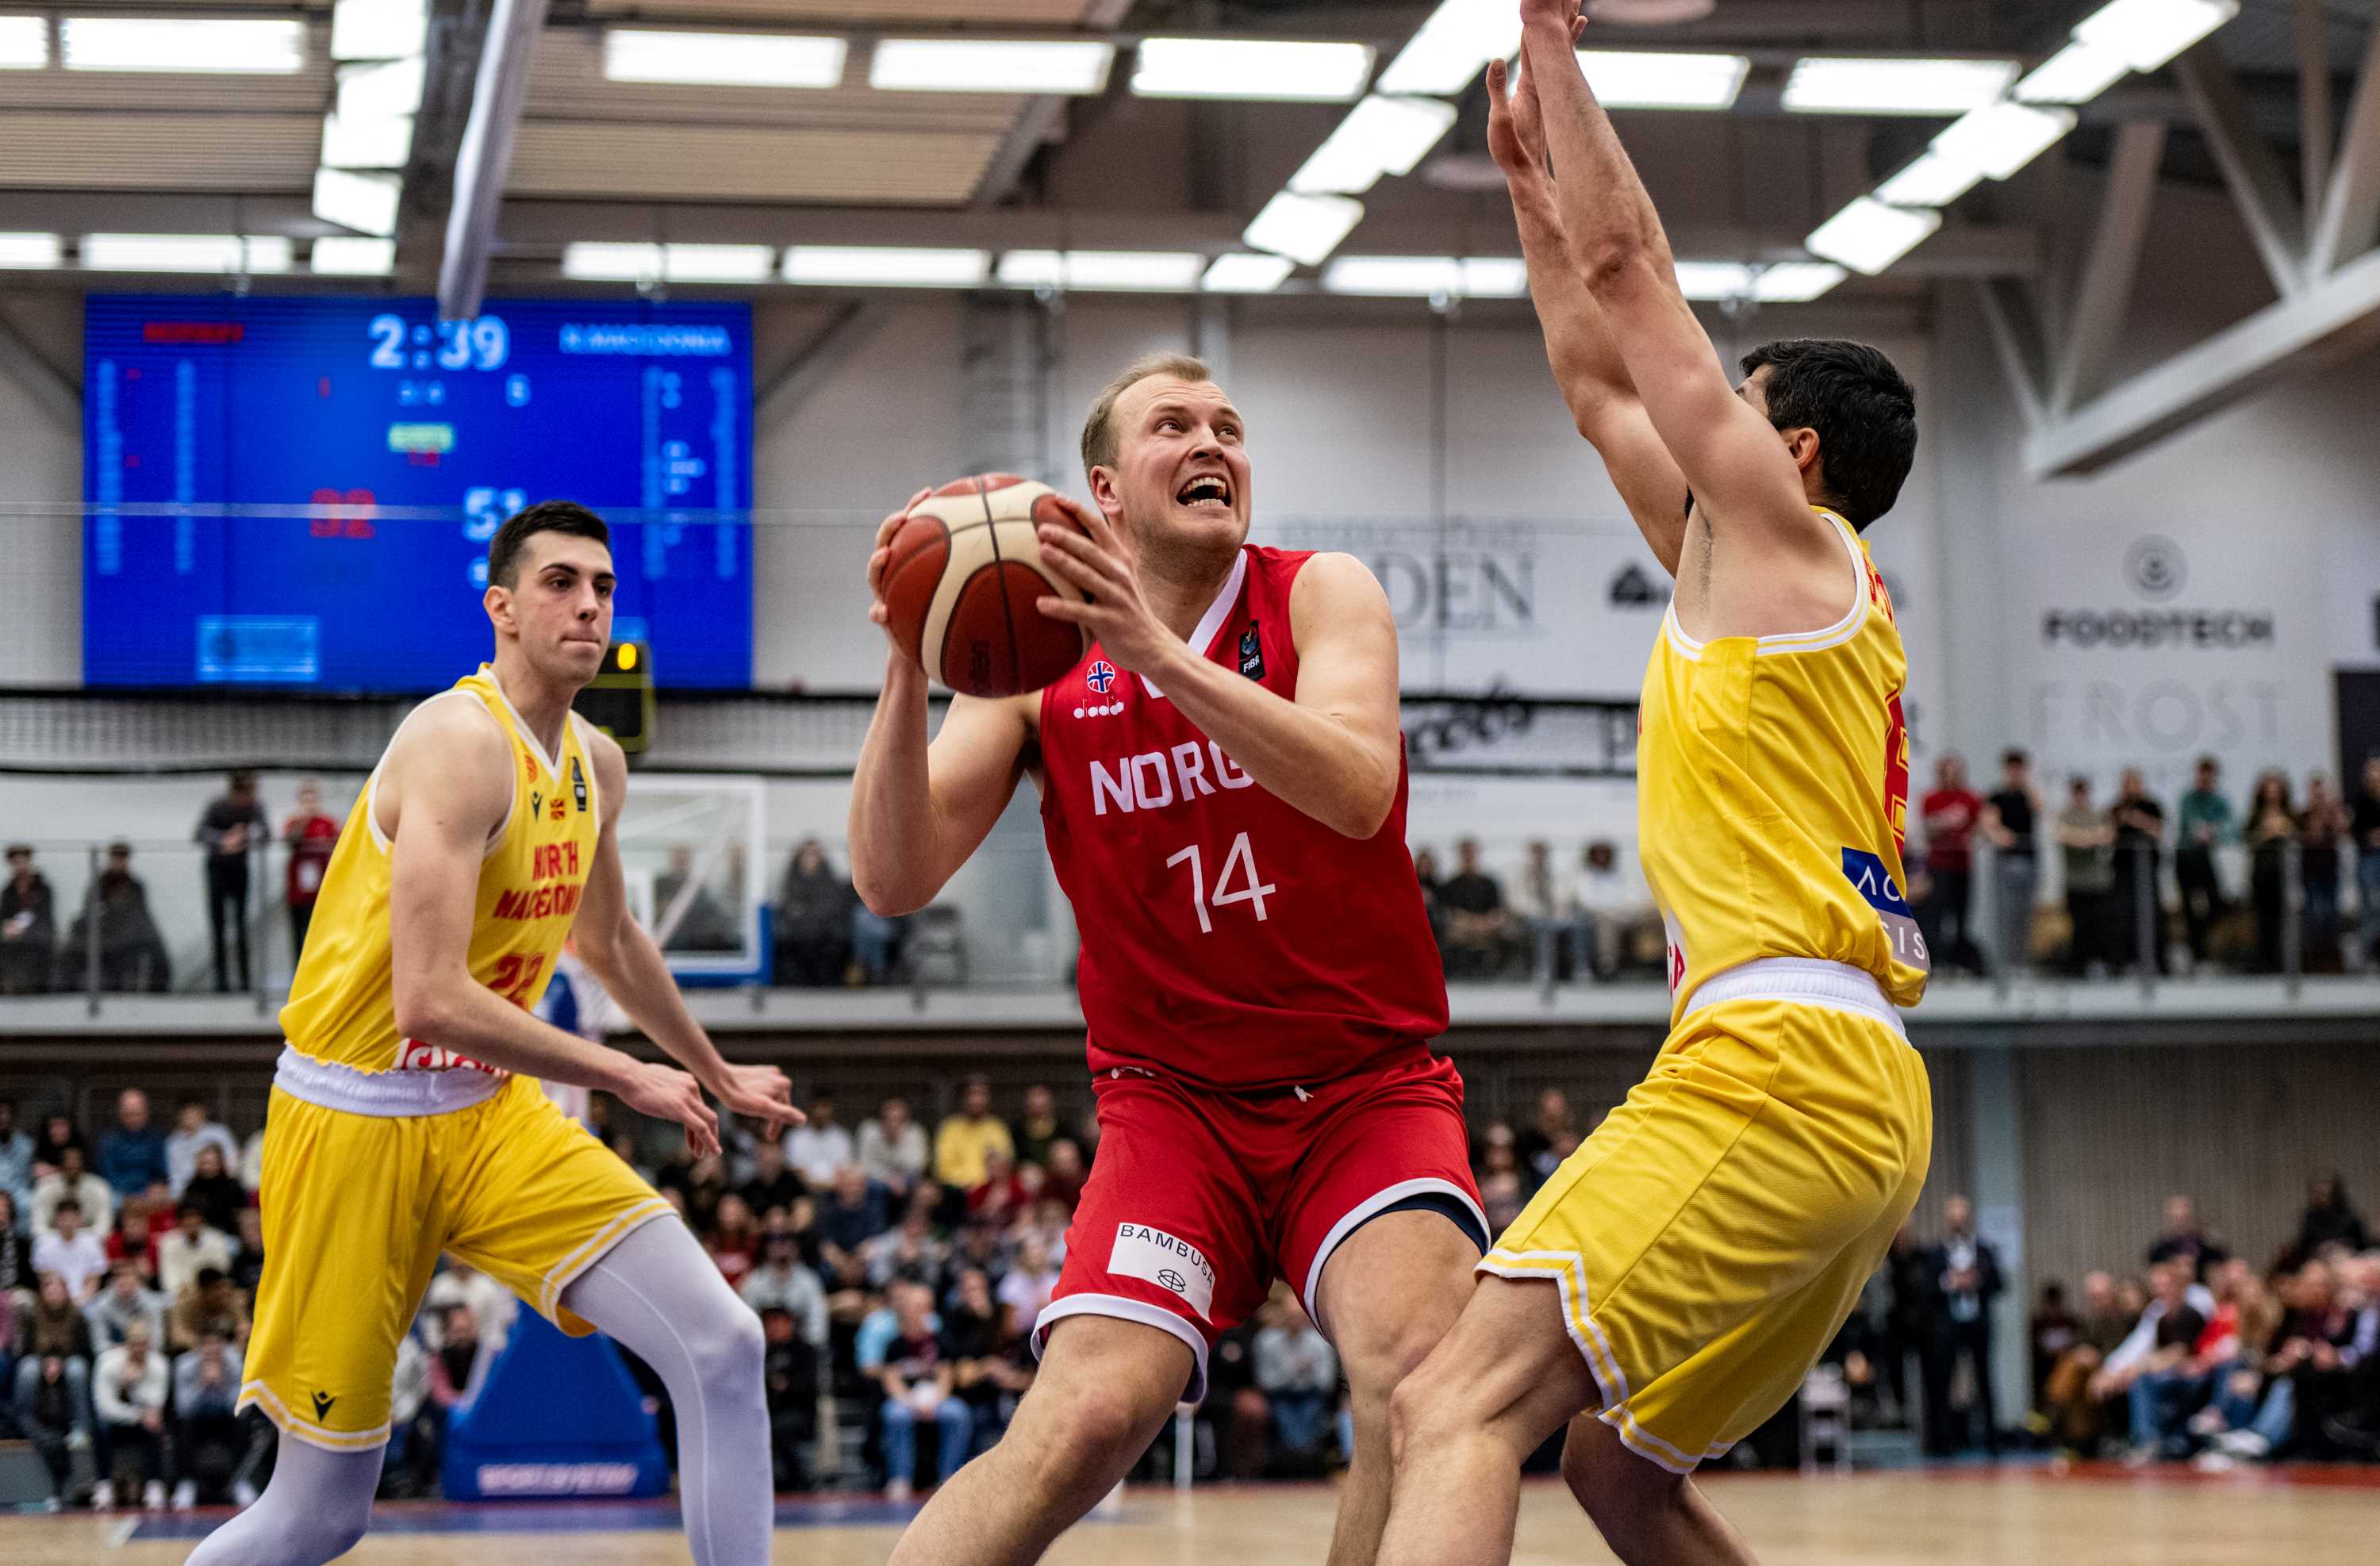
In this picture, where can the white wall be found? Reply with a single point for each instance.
(40, 490)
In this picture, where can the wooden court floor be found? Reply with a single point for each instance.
(1936, 1518)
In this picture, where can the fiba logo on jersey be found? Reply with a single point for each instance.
(2155, 566)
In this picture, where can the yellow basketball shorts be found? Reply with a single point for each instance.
(357, 1205)
(1712, 1235)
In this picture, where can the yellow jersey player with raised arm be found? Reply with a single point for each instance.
(405, 1120)
(1669, 1287)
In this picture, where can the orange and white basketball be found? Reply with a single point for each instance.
(966, 571)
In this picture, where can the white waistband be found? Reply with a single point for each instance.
(382, 1092)
(1806, 980)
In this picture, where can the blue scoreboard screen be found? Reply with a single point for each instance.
(300, 491)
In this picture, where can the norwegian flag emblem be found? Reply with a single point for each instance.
(1100, 676)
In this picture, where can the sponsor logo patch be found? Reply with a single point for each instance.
(1170, 1263)
(1867, 874)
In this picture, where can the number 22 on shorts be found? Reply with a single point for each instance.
(1241, 860)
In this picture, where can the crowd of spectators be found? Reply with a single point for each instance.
(1545, 923)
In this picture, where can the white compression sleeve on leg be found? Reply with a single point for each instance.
(661, 1296)
(314, 1510)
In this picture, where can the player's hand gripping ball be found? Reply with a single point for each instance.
(960, 580)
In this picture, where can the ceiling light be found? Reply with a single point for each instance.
(184, 252)
(1821, 85)
(24, 42)
(1428, 277)
(718, 263)
(1161, 272)
(1303, 228)
(1714, 279)
(1242, 273)
(1794, 282)
(1868, 236)
(1451, 48)
(2000, 138)
(1628, 79)
(365, 202)
(29, 250)
(2076, 74)
(379, 30)
(1932, 181)
(723, 59)
(155, 44)
(870, 266)
(1250, 68)
(366, 143)
(2149, 32)
(380, 92)
(596, 261)
(1378, 136)
(1496, 277)
(339, 256)
(967, 65)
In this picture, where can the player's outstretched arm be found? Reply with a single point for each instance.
(444, 788)
(1746, 485)
(1586, 363)
(918, 810)
(1334, 752)
(622, 956)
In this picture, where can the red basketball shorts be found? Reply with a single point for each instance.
(1198, 1199)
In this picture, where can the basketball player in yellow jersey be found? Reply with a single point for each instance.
(1669, 1287)
(406, 1118)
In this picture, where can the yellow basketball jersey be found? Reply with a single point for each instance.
(342, 1008)
(1772, 787)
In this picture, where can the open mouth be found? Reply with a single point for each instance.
(1211, 490)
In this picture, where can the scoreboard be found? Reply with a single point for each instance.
(300, 491)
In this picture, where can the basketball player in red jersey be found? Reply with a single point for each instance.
(1223, 793)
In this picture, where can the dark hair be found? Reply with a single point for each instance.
(1864, 411)
(190, 1206)
(241, 783)
(65, 1204)
(210, 1276)
(2014, 758)
(545, 517)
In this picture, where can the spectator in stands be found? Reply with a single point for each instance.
(217, 1194)
(2203, 825)
(454, 1364)
(1951, 811)
(1477, 921)
(15, 1161)
(70, 1182)
(918, 1383)
(56, 1325)
(2138, 822)
(2049, 1334)
(131, 952)
(733, 1239)
(985, 1371)
(2186, 1239)
(128, 1384)
(1547, 904)
(15, 1254)
(2238, 1386)
(2329, 1220)
(312, 837)
(126, 1302)
(227, 828)
(247, 1264)
(1038, 1127)
(819, 1147)
(2356, 1426)
(790, 1377)
(194, 1128)
(2270, 829)
(2158, 1382)
(2085, 841)
(28, 929)
(206, 1421)
(2070, 1413)
(909, 1250)
(52, 1405)
(1547, 1140)
(968, 1135)
(2011, 823)
(704, 923)
(1621, 905)
(1500, 1195)
(2363, 825)
(1432, 883)
(769, 1183)
(781, 1282)
(1066, 1174)
(1026, 1292)
(188, 1247)
(2164, 1334)
(206, 1305)
(854, 1212)
(814, 917)
(893, 1148)
(251, 1161)
(59, 1133)
(70, 1254)
(132, 1155)
(1298, 1372)
(1969, 1278)
(132, 1240)
(492, 1306)
(2320, 825)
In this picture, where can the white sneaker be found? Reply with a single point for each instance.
(898, 1489)
(53, 1504)
(2245, 1443)
(78, 1440)
(185, 1495)
(102, 1496)
(152, 1496)
(243, 1494)
(2215, 1461)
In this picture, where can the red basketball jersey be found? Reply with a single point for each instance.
(1228, 938)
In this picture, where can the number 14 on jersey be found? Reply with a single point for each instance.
(1240, 861)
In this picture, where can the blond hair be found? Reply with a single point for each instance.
(1099, 430)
